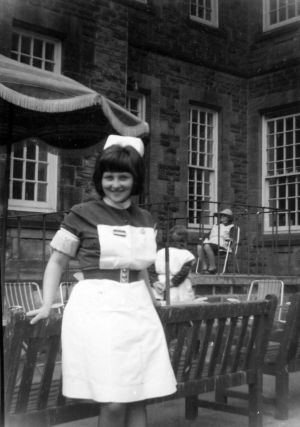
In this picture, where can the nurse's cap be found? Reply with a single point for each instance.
(125, 141)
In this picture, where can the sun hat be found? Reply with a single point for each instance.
(226, 212)
(125, 141)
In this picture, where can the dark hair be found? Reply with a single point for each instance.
(120, 159)
(178, 233)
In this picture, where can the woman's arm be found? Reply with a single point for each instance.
(144, 276)
(54, 269)
(182, 274)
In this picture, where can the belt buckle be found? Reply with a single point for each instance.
(124, 275)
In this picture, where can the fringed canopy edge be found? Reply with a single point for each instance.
(139, 129)
(48, 105)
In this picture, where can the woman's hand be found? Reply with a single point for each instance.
(159, 287)
(41, 313)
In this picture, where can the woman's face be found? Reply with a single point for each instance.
(117, 186)
(224, 219)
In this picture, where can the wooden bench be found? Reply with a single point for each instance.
(282, 358)
(283, 355)
(209, 344)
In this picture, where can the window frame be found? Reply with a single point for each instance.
(266, 17)
(212, 170)
(50, 205)
(141, 101)
(266, 197)
(51, 193)
(38, 36)
(214, 21)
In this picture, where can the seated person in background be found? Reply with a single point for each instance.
(180, 263)
(219, 237)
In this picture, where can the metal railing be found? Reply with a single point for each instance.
(260, 252)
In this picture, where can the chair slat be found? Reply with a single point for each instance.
(23, 294)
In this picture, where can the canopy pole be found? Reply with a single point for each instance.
(3, 246)
(167, 259)
(5, 197)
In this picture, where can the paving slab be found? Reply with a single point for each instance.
(171, 413)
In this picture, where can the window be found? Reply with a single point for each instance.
(202, 162)
(280, 12)
(281, 172)
(32, 171)
(36, 50)
(135, 103)
(205, 11)
(33, 176)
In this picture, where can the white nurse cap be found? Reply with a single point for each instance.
(125, 141)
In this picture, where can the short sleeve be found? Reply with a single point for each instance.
(66, 242)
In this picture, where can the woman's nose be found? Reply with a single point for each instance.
(116, 183)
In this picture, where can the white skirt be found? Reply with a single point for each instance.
(113, 344)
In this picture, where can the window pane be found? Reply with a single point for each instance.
(33, 49)
(29, 191)
(202, 160)
(209, 161)
(200, 177)
(25, 59)
(289, 123)
(194, 130)
(25, 45)
(202, 146)
(194, 145)
(43, 155)
(30, 170)
(37, 63)
(289, 137)
(49, 51)
(17, 190)
(17, 169)
(19, 153)
(270, 126)
(38, 48)
(49, 66)
(281, 11)
(31, 151)
(283, 163)
(282, 14)
(272, 192)
(42, 172)
(42, 192)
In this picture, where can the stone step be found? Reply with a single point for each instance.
(237, 283)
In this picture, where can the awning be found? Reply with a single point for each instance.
(53, 108)
(57, 109)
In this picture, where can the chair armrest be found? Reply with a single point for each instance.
(233, 300)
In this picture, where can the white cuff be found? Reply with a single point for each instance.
(66, 242)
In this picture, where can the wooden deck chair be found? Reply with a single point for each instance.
(259, 289)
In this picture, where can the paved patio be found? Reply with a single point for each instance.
(171, 414)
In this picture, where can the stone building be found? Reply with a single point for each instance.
(218, 83)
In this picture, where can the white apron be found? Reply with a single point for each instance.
(114, 347)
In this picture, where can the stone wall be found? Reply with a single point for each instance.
(235, 69)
